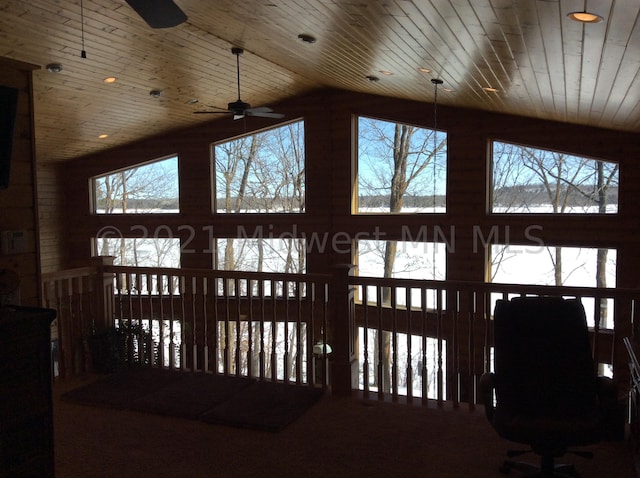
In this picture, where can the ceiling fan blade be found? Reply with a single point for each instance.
(264, 114)
(260, 109)
(237, 116)
(159, 13)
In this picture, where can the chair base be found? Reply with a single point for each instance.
(562, 470)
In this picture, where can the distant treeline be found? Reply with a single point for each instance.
(505, 196)
(537, 194)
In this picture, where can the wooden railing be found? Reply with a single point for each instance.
(267, 326)
(390, 338)
(433, 339)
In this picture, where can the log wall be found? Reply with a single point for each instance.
(329, 119)
(18, 205)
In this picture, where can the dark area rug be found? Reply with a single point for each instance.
(192, 395)
(264, 405)
(233, 401)
(121, 389)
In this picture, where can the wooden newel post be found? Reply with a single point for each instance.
(104, 293)
(341, 332)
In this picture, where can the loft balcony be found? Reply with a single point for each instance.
(397, 339)
(387, 344)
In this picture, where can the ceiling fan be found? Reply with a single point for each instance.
(159, 13)
(239, 108)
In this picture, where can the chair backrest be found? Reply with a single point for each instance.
(543, 363)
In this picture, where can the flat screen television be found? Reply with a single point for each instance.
(8, 108)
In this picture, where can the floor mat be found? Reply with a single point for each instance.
(212, 398)
(264, 405)
(192, 395)
(121, 389)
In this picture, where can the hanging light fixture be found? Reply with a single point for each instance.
(83, 53)
(435, 82)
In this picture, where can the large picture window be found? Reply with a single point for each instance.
(401, 168)
(140, 252)
(532, 180)
(262, 172)
(261, 255)
(149, 188)
(558, 266)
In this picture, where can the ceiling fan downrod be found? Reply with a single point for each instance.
(237, 52)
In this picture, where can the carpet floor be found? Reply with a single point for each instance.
(336, 437)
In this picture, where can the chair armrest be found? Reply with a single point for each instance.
(487, 386)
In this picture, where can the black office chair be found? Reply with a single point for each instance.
(547, 394)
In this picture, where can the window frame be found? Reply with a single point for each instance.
(491, 171)
(93, 190)
(355, 206)
(214, 174)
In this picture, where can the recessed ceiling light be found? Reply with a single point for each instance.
(103, 136)
(448, 90)
(156, 93)
(585, 17)
(110, 79)
(372, 78)
(386, 72)
(54, 67)
(490, 89)
(424, 70)
(192, 101)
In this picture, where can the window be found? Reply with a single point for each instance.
(418, 358)
(531, 180)
(558, 266)
(261, 254)
(149, 188)
(261, 173)
(284, 342)
(401, 260)
(425, 357)
(140, 252)
(401, 168)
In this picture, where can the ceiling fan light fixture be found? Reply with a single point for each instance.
(239, 108)
(585, 17)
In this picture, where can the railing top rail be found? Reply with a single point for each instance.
(487, 287)
(69, 273)
(223, 274)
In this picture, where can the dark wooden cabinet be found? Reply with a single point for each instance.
(26, 412)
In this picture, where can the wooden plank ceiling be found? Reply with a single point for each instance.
(541, 63)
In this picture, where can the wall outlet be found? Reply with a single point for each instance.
(13, 242)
